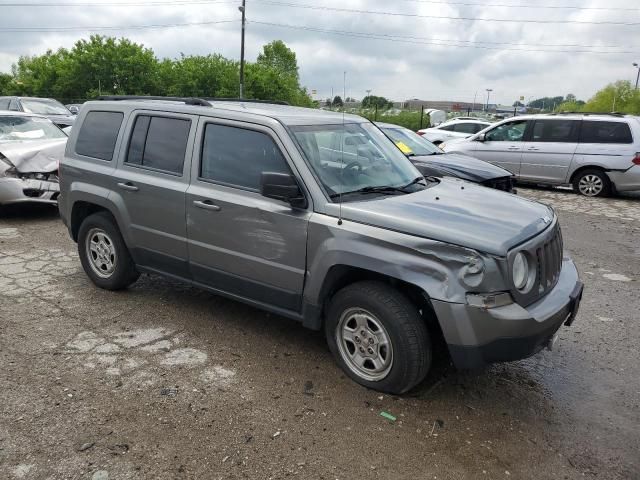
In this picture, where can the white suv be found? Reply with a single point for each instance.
(595, 153)
(453, 129)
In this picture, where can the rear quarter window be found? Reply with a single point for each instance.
(605, 132)
(98, 134)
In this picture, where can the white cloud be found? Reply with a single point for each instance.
(395, 69)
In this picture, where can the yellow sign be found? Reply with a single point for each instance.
(404, 148)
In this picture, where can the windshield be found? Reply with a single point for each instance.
(411, 143)
(44, 106)
(14, 128)
(355, 156)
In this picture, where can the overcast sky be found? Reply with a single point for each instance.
(400, 69)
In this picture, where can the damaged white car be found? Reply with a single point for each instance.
(30, 148)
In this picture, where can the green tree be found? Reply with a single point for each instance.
(372, 101)
(278, 56)
(6, 81)
(620, 96)
(337, 101)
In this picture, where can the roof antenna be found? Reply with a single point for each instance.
(344, 96)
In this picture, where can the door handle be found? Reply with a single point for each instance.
(513, 148)
(128, 186)
(207, 205)
(533, 149)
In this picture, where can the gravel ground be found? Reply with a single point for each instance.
(164, 381)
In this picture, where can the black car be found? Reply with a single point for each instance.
(47, 107)
(431, 161)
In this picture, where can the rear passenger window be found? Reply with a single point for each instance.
(4, 103)
(605, 132)
(465, 128)
(236, 156)
(555, 131)
(159, 143)
(98, 134)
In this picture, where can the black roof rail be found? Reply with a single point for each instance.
(185, 100)
(613, 114)
(246, 100)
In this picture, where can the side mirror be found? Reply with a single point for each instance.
(74, 110)
(282, 186)
(481, 138)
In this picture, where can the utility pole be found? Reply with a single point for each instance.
(637, 76)
(242, 9)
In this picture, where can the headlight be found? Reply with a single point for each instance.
(442, 146)
(520, 271)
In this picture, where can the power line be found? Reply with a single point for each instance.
(537, 7)
(446, 17)
(414, 40)
(152, 3)
(110, 27)
(196, 2)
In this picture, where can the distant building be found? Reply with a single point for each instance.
(446, 105)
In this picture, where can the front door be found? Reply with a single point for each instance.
(150, 182)
(240, 242)
(548, 153)
(503, 145)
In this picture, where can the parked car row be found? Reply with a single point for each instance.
(47, 107)
(319, 217)
(597, 154)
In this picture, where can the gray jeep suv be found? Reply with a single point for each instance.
(255, 202)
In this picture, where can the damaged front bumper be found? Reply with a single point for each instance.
(20, 190)
(477, 337)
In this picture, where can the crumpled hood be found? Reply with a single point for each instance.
(40, 156)
(457, 212)
(462, 166)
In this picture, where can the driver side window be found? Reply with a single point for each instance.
(507, 132)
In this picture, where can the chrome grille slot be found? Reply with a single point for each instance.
(549, 258)
(546, 250)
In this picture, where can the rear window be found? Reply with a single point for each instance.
(159, 143)
(605, 132)
(98, 134)
(4, 103)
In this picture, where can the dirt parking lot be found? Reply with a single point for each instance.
(164, 381)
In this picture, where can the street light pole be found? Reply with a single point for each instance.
(637, 76)
(489, 90)
(242, 9)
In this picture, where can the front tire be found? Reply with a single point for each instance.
(103, 253)
(592, 183)
(378, 337)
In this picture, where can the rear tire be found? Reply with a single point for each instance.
(103, 253)
(378, 337)
(592, 183)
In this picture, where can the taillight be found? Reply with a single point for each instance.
(636, 159)
(420, 133)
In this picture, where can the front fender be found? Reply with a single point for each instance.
(442, 271)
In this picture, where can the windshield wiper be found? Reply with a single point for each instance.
(413, 182)
(384, 189)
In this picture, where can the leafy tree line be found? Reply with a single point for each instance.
(106, 65)
(620, 96)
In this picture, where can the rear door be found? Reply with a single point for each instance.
(240, 242)
(150, 182)
(605, 143)
(548, 153)
(503, 145)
